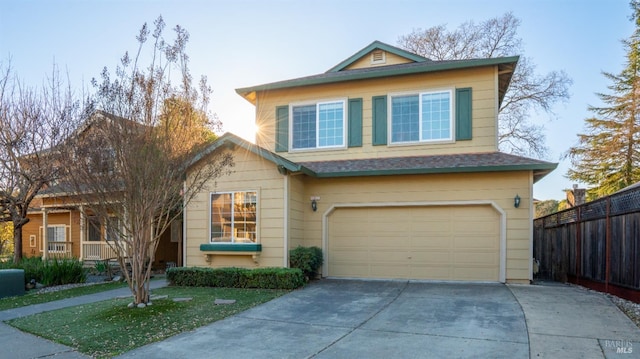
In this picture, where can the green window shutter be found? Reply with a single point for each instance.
(463, 114)
(379, 109)
(355, 122)
(282, 128)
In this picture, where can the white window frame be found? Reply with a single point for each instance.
(51, 242)
(452, 122)
(233, 237)
(343, 101)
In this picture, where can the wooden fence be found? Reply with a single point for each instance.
(596, 245)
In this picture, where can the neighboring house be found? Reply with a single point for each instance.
(388, 161)
(71, 227)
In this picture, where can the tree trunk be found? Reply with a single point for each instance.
(17, 244)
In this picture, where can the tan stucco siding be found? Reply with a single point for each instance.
(481, 80)
(250, 173)
(498, 187)
(390, 59)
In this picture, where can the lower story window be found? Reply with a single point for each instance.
(56, 234)
(233, 217)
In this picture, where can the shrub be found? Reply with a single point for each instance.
(263, 278)
(49, 272)
(63, 271)
(307, 259)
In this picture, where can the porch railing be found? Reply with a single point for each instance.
(97, 251)
(61, 249)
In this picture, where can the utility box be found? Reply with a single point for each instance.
(11, 282)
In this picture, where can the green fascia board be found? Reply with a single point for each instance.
(383, 71)
(541, 170)
(377, 45)
(231, 247)
(229, 138)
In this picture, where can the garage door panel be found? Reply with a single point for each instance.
(438, 242)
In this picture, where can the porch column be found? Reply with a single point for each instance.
(82, 234)
(45, 239)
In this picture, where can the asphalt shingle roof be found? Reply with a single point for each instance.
(454, 163)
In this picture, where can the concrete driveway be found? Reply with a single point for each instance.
(364, 319)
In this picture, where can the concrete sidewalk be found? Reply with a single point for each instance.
(567, 321)
(19, 345)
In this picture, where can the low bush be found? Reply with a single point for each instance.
(307, 259)
(50, 272)
(262, 278)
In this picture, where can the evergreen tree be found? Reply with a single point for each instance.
(607, 156)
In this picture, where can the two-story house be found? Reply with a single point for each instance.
(389, 162)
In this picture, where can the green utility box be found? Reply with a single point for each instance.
(11, 282)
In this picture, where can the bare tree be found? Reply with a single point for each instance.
(32, 120)
(130, 159)
(528, 91)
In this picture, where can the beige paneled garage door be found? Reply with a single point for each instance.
(437, 242)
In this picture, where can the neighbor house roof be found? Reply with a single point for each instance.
(456, 163)
(506, 66)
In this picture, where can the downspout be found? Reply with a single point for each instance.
(184, 225)
(45, 239)
(285, 245)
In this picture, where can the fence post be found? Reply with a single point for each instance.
(578, 244)
(607, 246)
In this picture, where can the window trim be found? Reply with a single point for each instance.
(233, 238)
(317, 103)
(420, 93)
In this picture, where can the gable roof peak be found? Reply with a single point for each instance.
(377, 45)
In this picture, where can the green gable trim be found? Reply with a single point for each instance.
(355, 122)
(382, 71)
(379, 119)
(229, 140)
(231, 247)
(464, 118)
(373, 46)
(282, 128)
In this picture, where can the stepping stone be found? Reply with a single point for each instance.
(224, 301)
(182, 299)
(157, 297)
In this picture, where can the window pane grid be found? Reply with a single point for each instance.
(304, 126)
(331, 124)
(233, 217)
(422, 117)
(318, 125)
(405, 119)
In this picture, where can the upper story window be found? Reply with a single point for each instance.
(318, 125)
(422, 117)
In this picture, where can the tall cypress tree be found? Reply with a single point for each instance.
(607, 156)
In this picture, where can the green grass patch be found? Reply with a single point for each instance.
(109, 328)
(33, 297)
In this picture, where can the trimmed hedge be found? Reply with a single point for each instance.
(263, 278)
(307, 259)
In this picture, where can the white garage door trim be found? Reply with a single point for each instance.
(503, 225)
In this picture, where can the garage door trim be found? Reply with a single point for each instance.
(501, 212)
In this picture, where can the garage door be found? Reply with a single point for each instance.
(437, 242)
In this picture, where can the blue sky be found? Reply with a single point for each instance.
(243, 43)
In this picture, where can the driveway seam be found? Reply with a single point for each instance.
(406, 283)
(524, 315)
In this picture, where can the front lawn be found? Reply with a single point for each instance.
(109, 328)
(34, 297)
